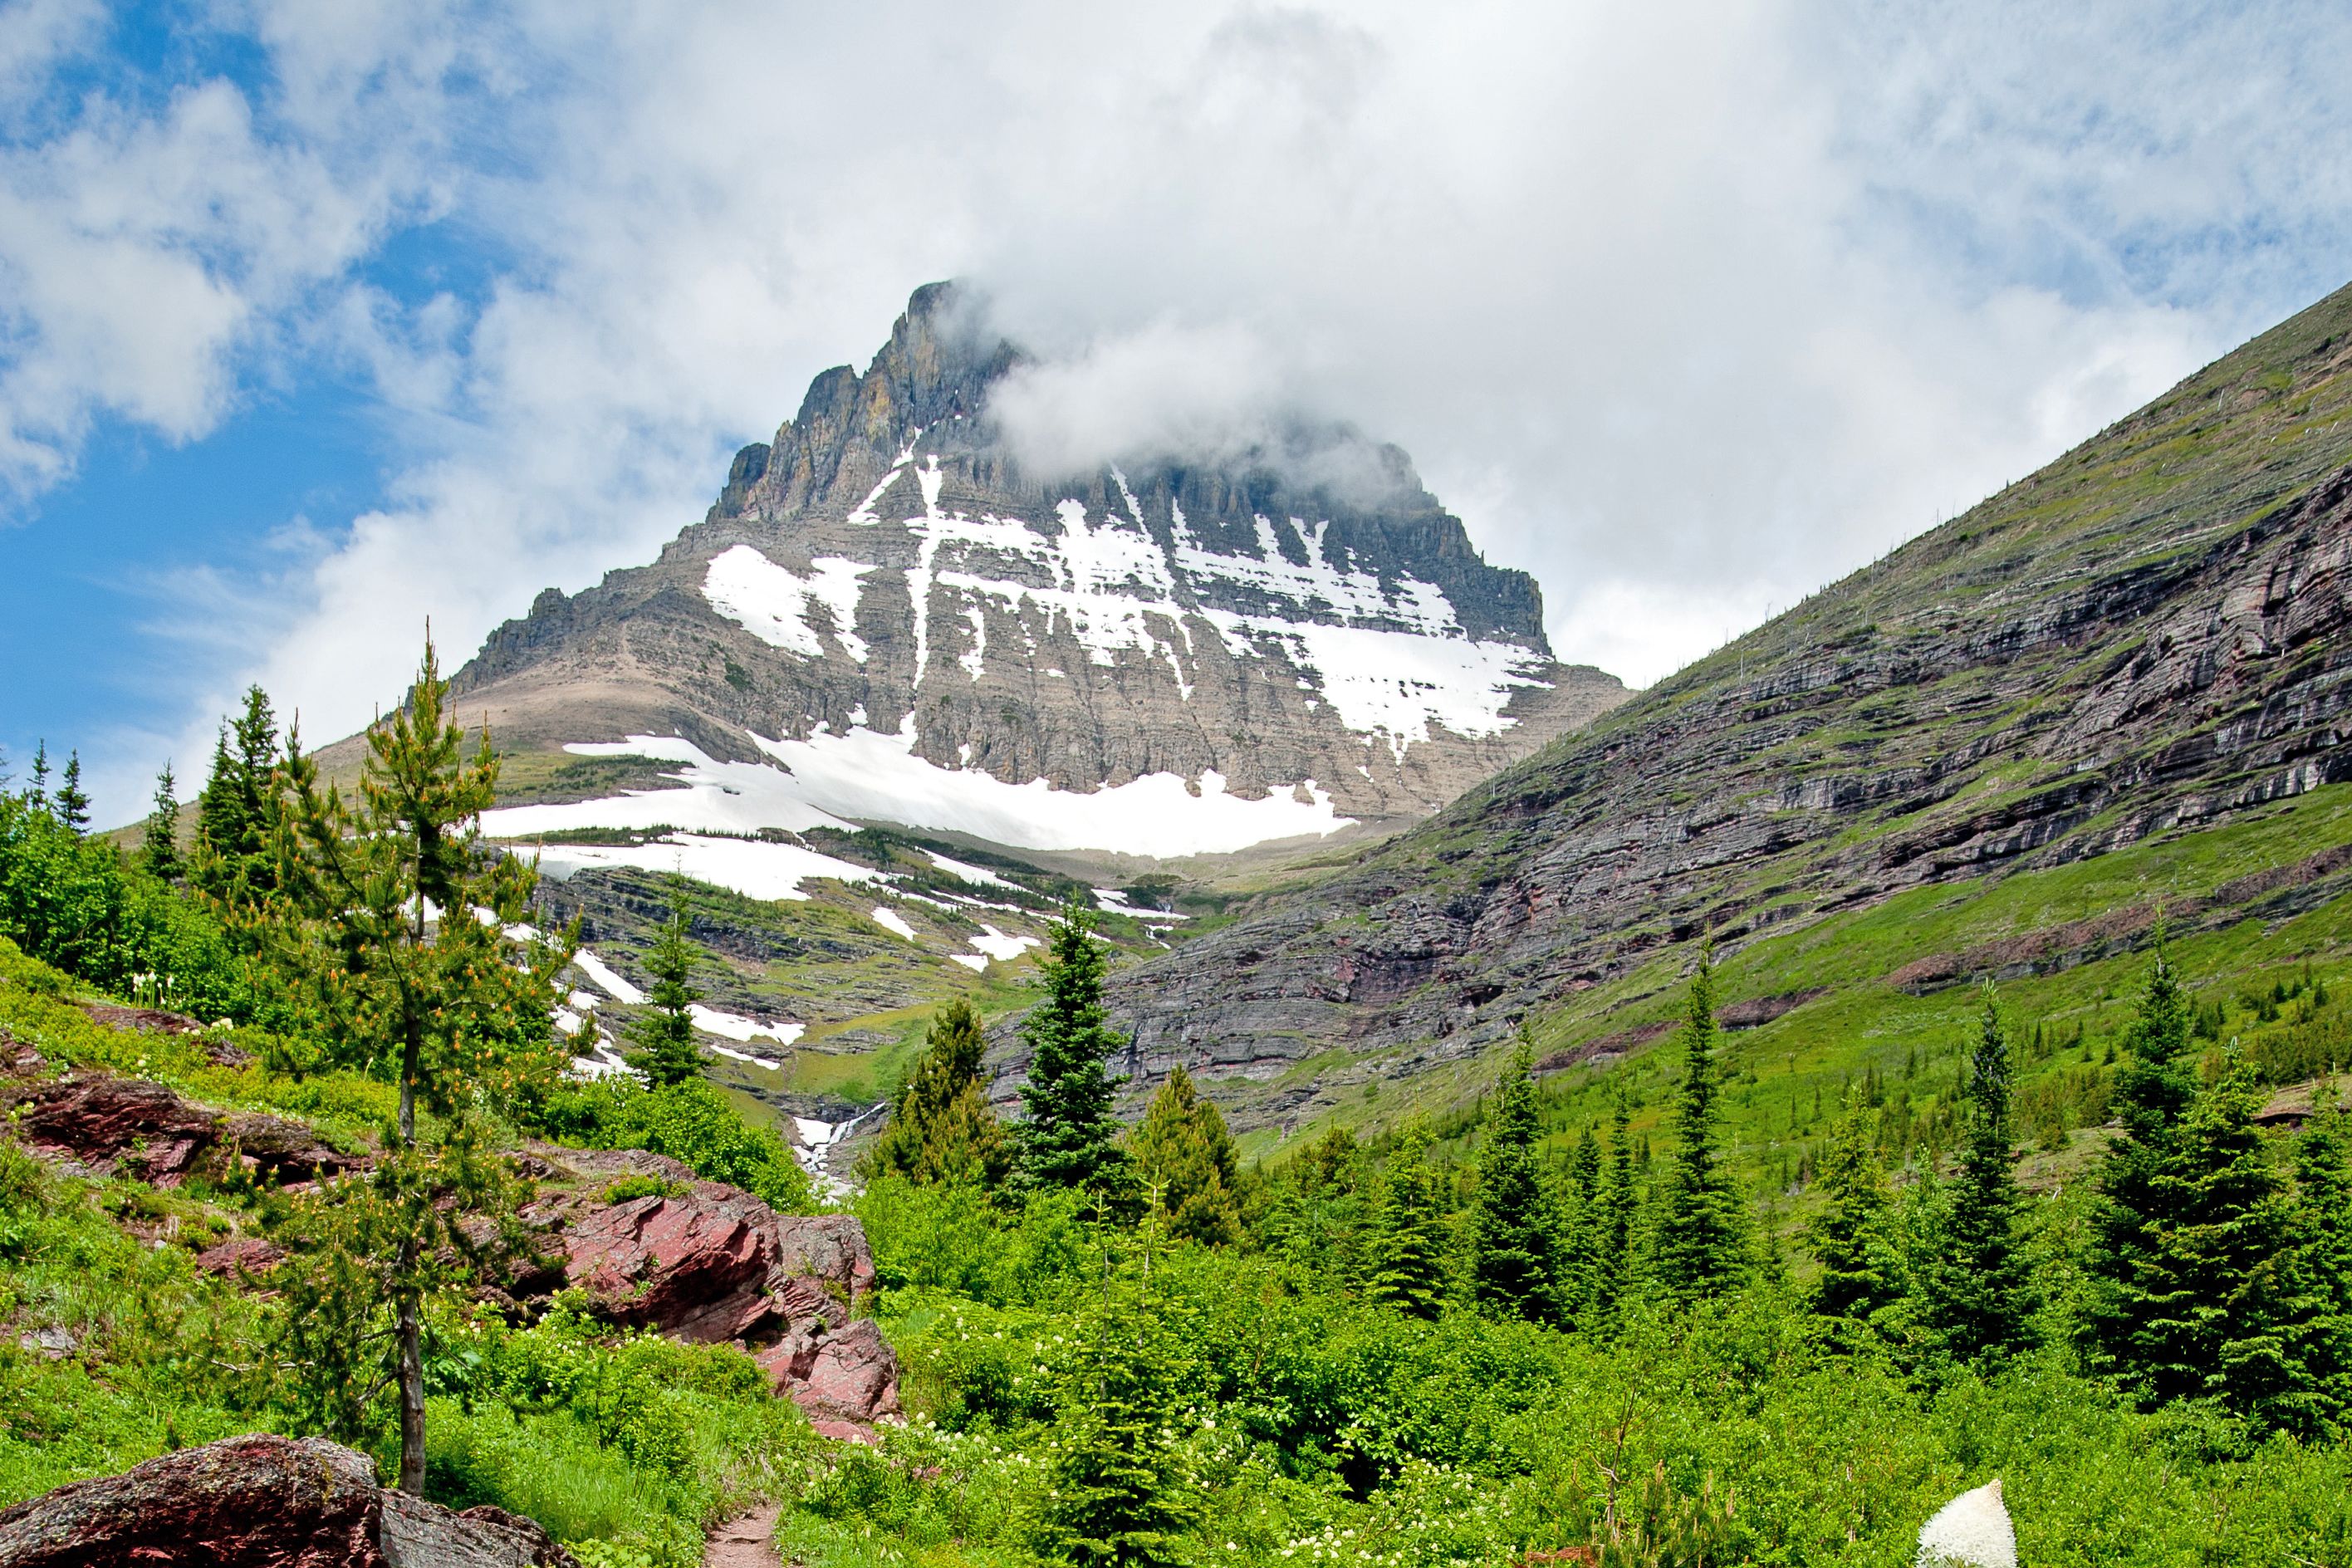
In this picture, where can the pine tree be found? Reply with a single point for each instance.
(239, 814)
(1181, 1151)
(1408, 1234)
(664, 1036)
(2192, 1289)
(1977, 1295)
(38, 792)
(1615, 1276)
(1849, 1235)
(160, 848)
(1069, 1138)
(2318, 1270)
(443, 1008)
(1118, 1495)
(1514, 1232)
(1702, 1230)
(2154, 1088)
(1584, 1235)
(73, 806)
(941, 1131)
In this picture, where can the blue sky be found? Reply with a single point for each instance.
(319, 321)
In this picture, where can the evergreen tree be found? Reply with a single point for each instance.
(941, 1131)
(1119, 1495)
(1702, 1230)
(1514, 1232)
(220, 829)
(1977, 1295)
(441, 1007)
(1410, 1235)
(1849, 1235)
(239, 814)
(2193, 1290)
(2140, 1195)
(73, 806)
(38, 791)
(664, 1036)
(1584, 1235)
(2319, 1283)
(1615, 1274)
(160, 848)
(1181, 1151)
(1069, 1138)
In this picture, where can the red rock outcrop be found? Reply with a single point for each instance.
(140, 1127)
(245, 1255)
(712, 1264)
(262, 1502)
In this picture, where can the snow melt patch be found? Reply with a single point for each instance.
(735, 1026)
(753, 868)
(722, 797)
(863, 773)
(734, 1056)
(965, 872)
(993, 943)
(610, 982)
(890, 920)
(772, 602)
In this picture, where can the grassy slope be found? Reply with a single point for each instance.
(2160, 488)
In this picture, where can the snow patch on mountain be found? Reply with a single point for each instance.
(735, 1026)
(866, 774)
(993, 943)
(772, 602)
(753, 868)
(720, 798)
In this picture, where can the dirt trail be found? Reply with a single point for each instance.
(747, 1541)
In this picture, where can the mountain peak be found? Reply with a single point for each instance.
(900, 622)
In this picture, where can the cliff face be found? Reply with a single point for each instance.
(2147, 638)
(884, 608)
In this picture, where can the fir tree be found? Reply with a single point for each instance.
(1849, 1234)
(160, 847)
(1701, 1247)
(2140, 1195)
(941, 1131)
(37, 792)
(73, 806)
(1615, 1274)
(2193, 1290)
(1515, 1231)
(664, 1036)
(1978, 1299)
(1119, 1495)
(1409, 1236)
(1584, 1235)
(443, 1010)
(1181, 1151)
(239, 814)
(1069, 1138)
(2318, 1277)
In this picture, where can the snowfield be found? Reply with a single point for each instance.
(1391, 657)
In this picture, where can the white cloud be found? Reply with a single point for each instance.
(1685, 309)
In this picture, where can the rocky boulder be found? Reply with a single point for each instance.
(135, 1127)
(262, 1502)
(709, 1263)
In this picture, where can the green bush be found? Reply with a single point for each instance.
(80, 905)
(690, 1122)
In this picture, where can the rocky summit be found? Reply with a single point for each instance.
(887, 618)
